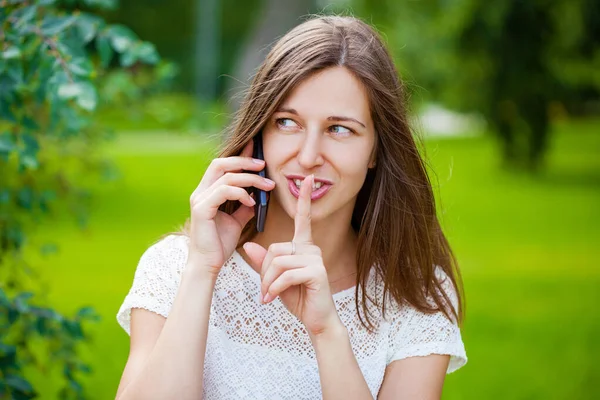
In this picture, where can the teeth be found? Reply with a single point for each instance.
(316, 185)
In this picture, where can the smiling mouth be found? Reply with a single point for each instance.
(319, 188)
(316, 185)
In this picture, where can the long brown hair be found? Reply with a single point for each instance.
(395, 214)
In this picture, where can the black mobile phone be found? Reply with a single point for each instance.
(260, 196)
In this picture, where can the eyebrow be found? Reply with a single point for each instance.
(330, 118)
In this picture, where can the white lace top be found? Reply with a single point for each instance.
(262, 351)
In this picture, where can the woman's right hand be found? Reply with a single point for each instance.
(214, 233)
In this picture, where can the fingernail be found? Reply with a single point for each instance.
(257, 161)
(267, 298)
(252, 201)
(270, 182)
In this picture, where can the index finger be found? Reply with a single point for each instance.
(220, 166)
(302, 221)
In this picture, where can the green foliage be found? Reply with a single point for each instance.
(518, 63)
(176, 41)
(525, 47)
(22, 325)
(53, 58)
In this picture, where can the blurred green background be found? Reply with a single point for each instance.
(519, 208)
(527, 248)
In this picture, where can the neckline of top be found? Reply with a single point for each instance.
(237, 257)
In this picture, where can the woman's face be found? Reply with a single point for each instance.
(324, 128)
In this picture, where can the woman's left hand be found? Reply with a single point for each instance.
(300, 280)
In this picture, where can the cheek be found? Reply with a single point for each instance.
(354, 166)
(353, 172)
(275, 152)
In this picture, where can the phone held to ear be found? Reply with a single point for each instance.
(260, 196)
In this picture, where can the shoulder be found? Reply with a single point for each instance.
(447, 286)
(156, 278)
(416, 333)
(170, 243)
(167, 254)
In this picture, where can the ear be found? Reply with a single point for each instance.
(373, 162)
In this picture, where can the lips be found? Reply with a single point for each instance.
(315, 195)
(324, 181)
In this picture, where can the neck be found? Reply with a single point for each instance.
(333, 235)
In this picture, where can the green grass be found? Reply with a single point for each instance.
(528, 249)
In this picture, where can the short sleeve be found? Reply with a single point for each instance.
(414, 333)
(156, 279)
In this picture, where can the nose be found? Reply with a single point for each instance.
(309, 155)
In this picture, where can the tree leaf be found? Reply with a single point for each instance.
(31, 143)
(88, 26)
(18, 383)
(16, 237)
(81, 66)
(121, 37)
(147, 53)
(105, 4)
(7, 143)
(11, 53)
(45, 199)
(140, 51)
(13, 316)
(7, 355)
(22, 18)
(24, 200)
(7, 86)
(4, 301)
(88, 313)
(5, 111)
(128, 58)
(29, 123)
(53, 25)
(88, 99)
(4, 198)
(104, 50)
(84, 93)
(69, 90)
(73, 328)
(28, 161)
(21, 299)
(14, 71)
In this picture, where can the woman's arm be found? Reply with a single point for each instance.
(419, 377)
(168, 362)
(341, 377)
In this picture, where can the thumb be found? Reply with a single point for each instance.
(256, 253)
(243, 215)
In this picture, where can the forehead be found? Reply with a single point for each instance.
(333, 91)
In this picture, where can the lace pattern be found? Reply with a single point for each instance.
(263, 351)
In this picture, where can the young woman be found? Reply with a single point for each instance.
(350, 292)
